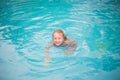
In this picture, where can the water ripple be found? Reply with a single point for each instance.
(26, 29)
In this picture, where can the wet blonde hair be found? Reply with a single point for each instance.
(59, 31)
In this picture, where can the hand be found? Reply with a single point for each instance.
(47, 59)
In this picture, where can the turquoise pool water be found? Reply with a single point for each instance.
(26, 27)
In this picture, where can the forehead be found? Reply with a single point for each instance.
(57, 34)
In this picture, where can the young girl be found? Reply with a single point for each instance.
(60, 40)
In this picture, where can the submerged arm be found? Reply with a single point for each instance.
(47, 52)
(71, 47)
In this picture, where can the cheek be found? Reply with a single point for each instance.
(61, 40)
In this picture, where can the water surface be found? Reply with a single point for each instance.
(26, 28)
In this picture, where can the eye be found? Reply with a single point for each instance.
(59, 38)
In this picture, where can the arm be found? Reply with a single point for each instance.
(72, 45)
(47, 59)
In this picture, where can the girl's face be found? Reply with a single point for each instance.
(58, 38)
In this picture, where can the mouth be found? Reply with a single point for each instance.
(57, 43)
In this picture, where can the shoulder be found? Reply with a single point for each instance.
(68, 41)
(50, 45)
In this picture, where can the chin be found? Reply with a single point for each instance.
(57, 44)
